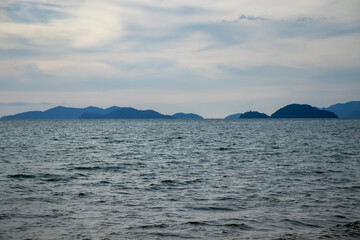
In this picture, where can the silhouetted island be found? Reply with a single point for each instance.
(233, 116)
(254, 114)
(302, 111)
(342, 110)
(114, 112)
(187, 116)
(345, 110)
(127, 113)
(60, 112)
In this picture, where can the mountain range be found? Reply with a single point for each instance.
(341, 110)
(114, 112)
(61, 112)
(127, 113)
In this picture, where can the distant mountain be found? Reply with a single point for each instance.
(59, 112)
(127, 113)
(187, 116)
(346, 110)
(254, 114)
(233, 116)
(302, 111)
(114, 112)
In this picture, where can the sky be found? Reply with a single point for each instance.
(213, 58)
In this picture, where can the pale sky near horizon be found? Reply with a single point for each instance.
(213, 58)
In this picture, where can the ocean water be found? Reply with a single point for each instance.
(180, 179)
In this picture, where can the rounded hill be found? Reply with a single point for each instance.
(302, 111)
(254, 114)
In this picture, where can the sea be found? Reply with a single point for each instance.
(180, 179)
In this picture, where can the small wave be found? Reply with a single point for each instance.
(150, 226)
(85, 147)
(197, 180)
(170, 182)
(115, 141)
(212, 208)
(82, 194)
(54, 177)
(224, 149)
(20, 176)
(104, 182)
(241, 226)
(350, 231)
(290, 236)
(170, 235)
(196, 223)
(46, 177)
(299, 223)
(4, 216)
(88, 168)
(153, 226)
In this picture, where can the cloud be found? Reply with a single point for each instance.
(206, 45)
(32, 12)
(251, 18)
(21, 104)
(14, 104)
(9, 108)
(92, 24)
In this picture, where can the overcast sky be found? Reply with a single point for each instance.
(210, 57)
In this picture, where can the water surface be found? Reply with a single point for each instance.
(178, 179)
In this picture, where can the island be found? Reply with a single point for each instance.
(302, 111)
(233, 116)
(253, 114)
(114, 112)
(342, 110)
(345, 110)
(127, 113)
(187, 116)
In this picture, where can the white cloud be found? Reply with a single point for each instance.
(92, 24)
(141, 40)
(70, 68)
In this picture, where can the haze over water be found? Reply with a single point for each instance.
(177, 179)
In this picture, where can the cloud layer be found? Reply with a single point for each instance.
(180, 49)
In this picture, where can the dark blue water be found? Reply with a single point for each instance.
(178, 179)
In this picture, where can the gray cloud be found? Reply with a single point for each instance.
(171, 46)
(251, 18)
(21, 104)
(304, 19)
(32, 12)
